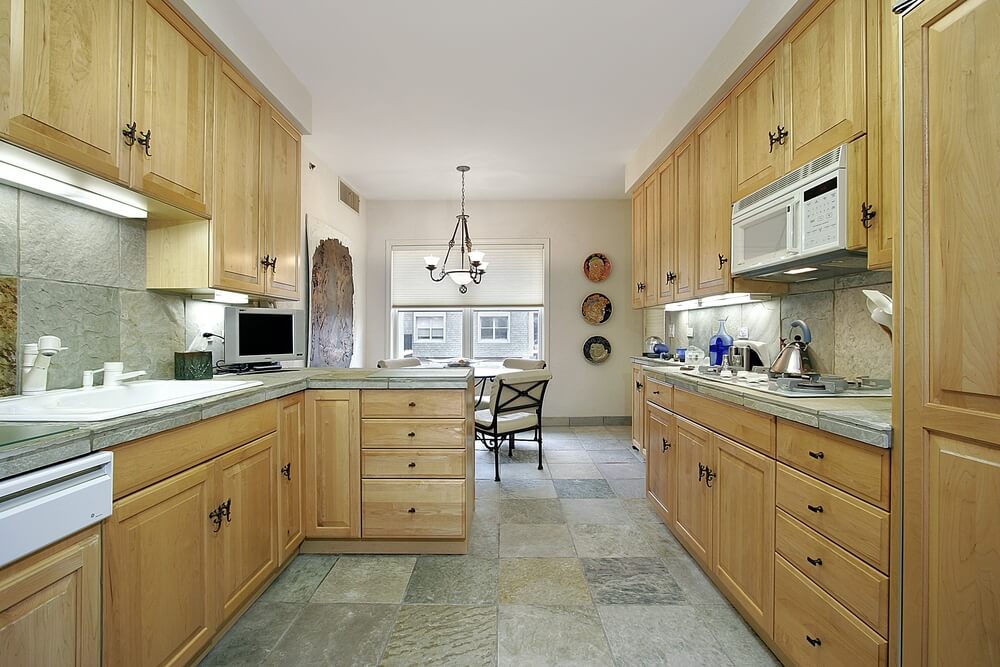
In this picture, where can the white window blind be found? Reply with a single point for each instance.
(515, 277)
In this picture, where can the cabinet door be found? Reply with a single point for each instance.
(667, 229)
(281, 219)
(660, 468)
(693, 513)
(638, 406)
(50, 605)
(638, 246)
(172, 90)
(757, 114)
(652, 242)
(744, 528)
(951, 395)
(825, 93)
(249, 547)
(714, 140)
(332, 467)
(884, 167)
(686, 230)
(237, 246)
(291, 440)
(161, 568)
(66, 89)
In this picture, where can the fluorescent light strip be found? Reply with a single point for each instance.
(716, 301)
(805, 269)
(26, 179)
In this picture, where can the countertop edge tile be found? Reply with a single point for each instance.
(31, 455)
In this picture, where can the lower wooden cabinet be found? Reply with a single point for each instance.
(332, 465)
(291, 441)
(693, 515)
(660, 431)
(411, 509)
(638, 408)
(50, 605)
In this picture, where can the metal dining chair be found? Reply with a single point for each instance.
(516, 399)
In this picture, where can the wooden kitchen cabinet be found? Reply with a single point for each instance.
(291, 441)
(50, 605)
(172, 88)
(73, 111)
(884, 120)
(638, 409)
(693, 507)
(332, 465)
(660, 432)
(666, 176)
(686, 223)
(757, 111)
(650, 294)
(714, 145)
(638, 247)
(281, 215)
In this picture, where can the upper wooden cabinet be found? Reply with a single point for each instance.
(64, 86)
(758, 107)
(650, 294)
(172, 91)
(714, 143)
(686, 219)
(638, 247)
(666, 176)
(282, 152)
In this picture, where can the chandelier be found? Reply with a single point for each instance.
(463, 275)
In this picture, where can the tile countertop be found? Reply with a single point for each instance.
(77, 439)
(865, 419)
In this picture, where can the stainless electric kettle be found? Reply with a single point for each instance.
(793, 360)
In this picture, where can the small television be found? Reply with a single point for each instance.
(263, 336)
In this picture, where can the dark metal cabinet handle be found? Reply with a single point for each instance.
(226, 506)
(656, 393)
(412, 510)
(776, 138)
(129, 134)
(411, 434)
(722, 260)
(815, 508)
(772, 139)
(867, 214)
(145, 140)
(413, 404)
(815, 641)
(816, 455)
(814, 561)
(670, 277)
(274, 264)
(701, 471)
(216, 517)
(666, 444)
(638, 386)
(412, 465)
(266, 262)
(286, 470)
(709, 476)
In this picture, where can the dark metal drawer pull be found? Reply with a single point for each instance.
(412, 510)
(816, 455)
(814, 561)
(413, 404)
(411, 434)
(814, 641)
(286, 470)
(815, 508)
(412, 465)
(666, 444)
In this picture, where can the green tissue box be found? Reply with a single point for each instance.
(192, 365)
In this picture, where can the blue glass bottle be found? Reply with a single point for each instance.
(718, 346)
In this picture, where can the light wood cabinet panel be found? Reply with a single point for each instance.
(332, 466)
(660, 468)
(408, 403)
(650, 293)
(638, 246)
(757, 112)
(436, 433)
(64, 88)
(161, 568)
(884, 119)
(749, 427)
(237, 246)
(686, 230)
(281, 219)
(50, 605)
(743, 525)
(693, 507)
(412, 463)
(413, 508)
(638, 408)
(825, 80)
(172, 88)
(249, 549)
(291, 441)
(659, 392)
(667, 229)
(714, 142)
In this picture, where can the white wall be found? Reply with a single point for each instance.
(321, 199)
(574, 229)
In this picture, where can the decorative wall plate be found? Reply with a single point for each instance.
(597, 349)
(597, 267)
(596, 308)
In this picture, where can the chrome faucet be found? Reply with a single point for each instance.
(35, 361)
(113, 375)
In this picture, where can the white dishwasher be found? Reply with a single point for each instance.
(43, 506)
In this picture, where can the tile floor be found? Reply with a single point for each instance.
(568, 566)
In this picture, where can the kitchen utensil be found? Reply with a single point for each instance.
(745, 355)
(880, 309)
(649, 346)
(793, 360)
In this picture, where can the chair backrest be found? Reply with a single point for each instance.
(398, 363)
(518, 391)
(524, 364)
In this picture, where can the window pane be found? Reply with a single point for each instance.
(507, 334)
(428, 335)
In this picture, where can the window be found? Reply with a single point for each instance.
(494, 327)
(429, 326)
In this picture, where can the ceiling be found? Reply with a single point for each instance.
(544, 99)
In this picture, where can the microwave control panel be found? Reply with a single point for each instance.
(820, 215)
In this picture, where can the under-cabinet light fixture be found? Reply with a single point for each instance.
(222, 296)
(716, 301)
(28, 179)
(804, 269)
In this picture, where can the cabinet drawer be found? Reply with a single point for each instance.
(437, 433)
(746, 426)
(857, 586)
(413, 463)
(861, 528)
(802, 611)
(660, 393)
(856, 468)
(412, 508)
(413, 403)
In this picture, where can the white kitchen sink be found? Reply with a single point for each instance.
(99, 403)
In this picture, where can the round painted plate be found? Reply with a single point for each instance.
(596, 308)
(597, 349)
(597, 267)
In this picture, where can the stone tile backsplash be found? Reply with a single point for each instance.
(80, 275)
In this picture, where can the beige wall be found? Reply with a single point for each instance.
(573, 229)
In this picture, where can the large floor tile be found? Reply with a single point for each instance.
(662, 540)
(617, 455)
(660, 635)
(567, 456)
(336, 634)
(600, 541)
(523, 471)
(251, 639)
(525, 489)
(487, 511)
(641, 510)
(443, 635)
(697, 587)
(629, 488)
(487, 488)
(594, 510)
(551, 636)
(544, 510)
(631, 581)
(736, 639)
(574, 471)
(535, 540)
(453, 580)
(557, 581)
(622, 470)
(300, 579)
(369, 579)
(556, 445)
(583, 488)
(484, 542)
(591, 445)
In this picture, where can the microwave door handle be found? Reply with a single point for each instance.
(791, 229)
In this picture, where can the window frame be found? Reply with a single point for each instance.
(442, 315)
(480, 314)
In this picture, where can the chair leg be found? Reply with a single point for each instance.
(510, 445)
(496, 459)
(539, 432)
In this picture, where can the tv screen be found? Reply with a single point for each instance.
(264, 334)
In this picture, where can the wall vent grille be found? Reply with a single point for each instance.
(350, 197)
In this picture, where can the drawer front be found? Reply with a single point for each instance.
(860, 588)
(660, 393)
(859, 469)
(396, 463)
(413, 403)
(803, 612)
(412, 508)
(749, 427)
(860, 528)
(434, 433)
